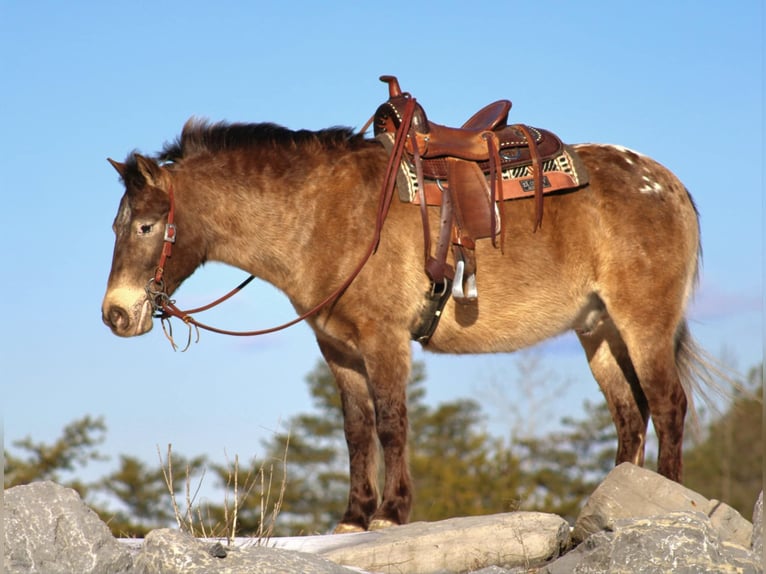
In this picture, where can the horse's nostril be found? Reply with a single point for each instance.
(117, 318)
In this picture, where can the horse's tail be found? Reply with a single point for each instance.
(702, 375)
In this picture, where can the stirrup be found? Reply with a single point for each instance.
(458, 293)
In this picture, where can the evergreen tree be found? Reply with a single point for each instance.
(562, 468)
(458, 469)
(454, 463)
(143, 495)
(316, 471)
(728, 463)
(252, 500)
(72, 450)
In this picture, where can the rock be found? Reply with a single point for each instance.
(636, 521)
(630, 491)
(757, 540)
(729, 523)
(519, 539)
(48, 528)
(167, 551)
(678, 542)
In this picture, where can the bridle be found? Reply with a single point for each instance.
(164, 308)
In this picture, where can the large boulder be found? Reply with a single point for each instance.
(679, 542)
(757, 542)
(630, 492)
(48, 528)
(167, 551)
(518, 539)
(636, 521)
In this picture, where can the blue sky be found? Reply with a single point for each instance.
(680, 81)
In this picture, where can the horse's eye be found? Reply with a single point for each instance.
(145, 229)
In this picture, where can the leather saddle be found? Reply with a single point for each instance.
(469, 171)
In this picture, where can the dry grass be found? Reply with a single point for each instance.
(195, 518)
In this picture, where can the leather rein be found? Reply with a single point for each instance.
(164, 308)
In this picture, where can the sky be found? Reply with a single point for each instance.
(679, 81)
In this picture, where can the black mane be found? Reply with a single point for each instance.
(201, 136)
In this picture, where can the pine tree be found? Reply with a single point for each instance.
(455, 468)
(76, 446)
(144, 498)
(728, 463)
(458, 468)
(562, 468)
(316, 478)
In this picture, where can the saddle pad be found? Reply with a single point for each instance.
(563, 171)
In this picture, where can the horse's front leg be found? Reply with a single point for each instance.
(388, 369)
(359, 428)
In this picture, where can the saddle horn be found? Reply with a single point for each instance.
(393, 86)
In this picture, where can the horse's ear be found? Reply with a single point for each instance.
(149, 169)
(120, 167)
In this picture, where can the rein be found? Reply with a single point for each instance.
(164, 308)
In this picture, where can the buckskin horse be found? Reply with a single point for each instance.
(615, 260)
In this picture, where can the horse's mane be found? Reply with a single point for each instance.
(199, 136)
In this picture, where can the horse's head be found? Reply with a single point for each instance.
(140, 274)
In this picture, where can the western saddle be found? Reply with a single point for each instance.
(470, 172)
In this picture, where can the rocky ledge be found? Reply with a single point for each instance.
(635, 521)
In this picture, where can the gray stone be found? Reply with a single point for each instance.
(167, 551)
(625, 527)
(729, 523)
(630, 491)
(757, 541)
(48, 528)
(680, 542)
(517, 539)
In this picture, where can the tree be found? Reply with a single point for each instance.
(316, 471)
(144, 496)
(455, 468)
(728, 463)
(253, 498)
(72, 450)
(563, 467)
(458, 468)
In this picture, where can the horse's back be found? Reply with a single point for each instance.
(627, 242)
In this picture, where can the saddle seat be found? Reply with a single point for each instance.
(490, 117)
(469, 141)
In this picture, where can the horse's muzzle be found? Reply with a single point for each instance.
(127, 320)
(116, 318)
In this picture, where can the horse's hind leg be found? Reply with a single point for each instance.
(613, 370)
(650, 334)
(654, 357)
(359, 428)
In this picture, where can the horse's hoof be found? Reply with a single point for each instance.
(347, 528)
(381, 523)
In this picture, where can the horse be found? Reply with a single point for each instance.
(615, 261)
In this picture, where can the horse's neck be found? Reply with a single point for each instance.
(277, 227)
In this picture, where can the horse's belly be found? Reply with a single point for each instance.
(497, 327)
